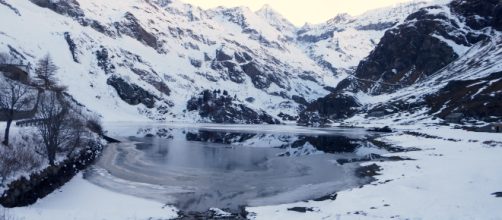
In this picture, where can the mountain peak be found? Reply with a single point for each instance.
(266, 7)
(340, 18)
(276, 19)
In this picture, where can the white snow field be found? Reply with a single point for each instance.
(81, 200)
(448, 179)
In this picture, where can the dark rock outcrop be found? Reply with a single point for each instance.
(24, 192)
(332, 107)
(104, 61)
(219, 137)
(286, 117)
(478, 14)
(72, 9)
(406, 54)
(222, 56)
(131, 93)
(376, 26)
(132, 28)
(15, 10)
(228, 69)
(413, 50)
(411, 53)
(479, 99)
(316, 38)
(301, 209)
(67, 7)
(72, 46)
(220, 107)
(497, 17)
(329, 144)
(300, 100)
(259, 79)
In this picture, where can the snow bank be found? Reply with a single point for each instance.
(449, 179)
(81, 200)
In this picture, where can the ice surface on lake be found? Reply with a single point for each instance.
(199, 167)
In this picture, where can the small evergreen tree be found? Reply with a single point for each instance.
(46, 73)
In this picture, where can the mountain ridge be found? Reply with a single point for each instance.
(145, 60)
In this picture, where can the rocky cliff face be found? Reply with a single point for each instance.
(427, 41)
(431, 44)
(343, 41)
(220, 107)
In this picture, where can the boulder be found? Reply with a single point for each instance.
(131, 93)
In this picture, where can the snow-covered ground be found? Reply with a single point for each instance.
(81, 200)
(454, 176)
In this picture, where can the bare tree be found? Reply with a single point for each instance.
(52, 114)
(15, 99)
(61, 126)
(45, 72)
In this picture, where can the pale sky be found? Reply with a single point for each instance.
(301, 11)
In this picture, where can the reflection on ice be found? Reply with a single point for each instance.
(197, 168)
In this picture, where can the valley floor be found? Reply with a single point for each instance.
(455, 175)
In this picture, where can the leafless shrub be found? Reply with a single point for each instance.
(18, 159)
(62, 127)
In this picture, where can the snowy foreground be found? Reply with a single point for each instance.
(454, 176)
(449, 179)
(82, 200)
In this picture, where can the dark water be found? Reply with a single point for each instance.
(207, 166)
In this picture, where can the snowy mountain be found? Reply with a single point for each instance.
(140, 59)
(167, 60)
(341, 42)
(441, 61)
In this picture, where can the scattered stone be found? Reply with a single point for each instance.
(301, 209)
(286, 117)
(331, 197)
(497, 194)
(385, 129)
(372, 157)
(212, 214)
(368, 171)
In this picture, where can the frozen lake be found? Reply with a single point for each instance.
(197, 167)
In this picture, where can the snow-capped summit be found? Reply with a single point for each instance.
(278, 21)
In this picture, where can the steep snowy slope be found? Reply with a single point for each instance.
(343, 41)
(140, 60)
(135, 59)
(443, 60)
(276, 20)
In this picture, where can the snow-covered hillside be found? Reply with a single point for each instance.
(139, 60)
(343, 41)
(442, 61)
